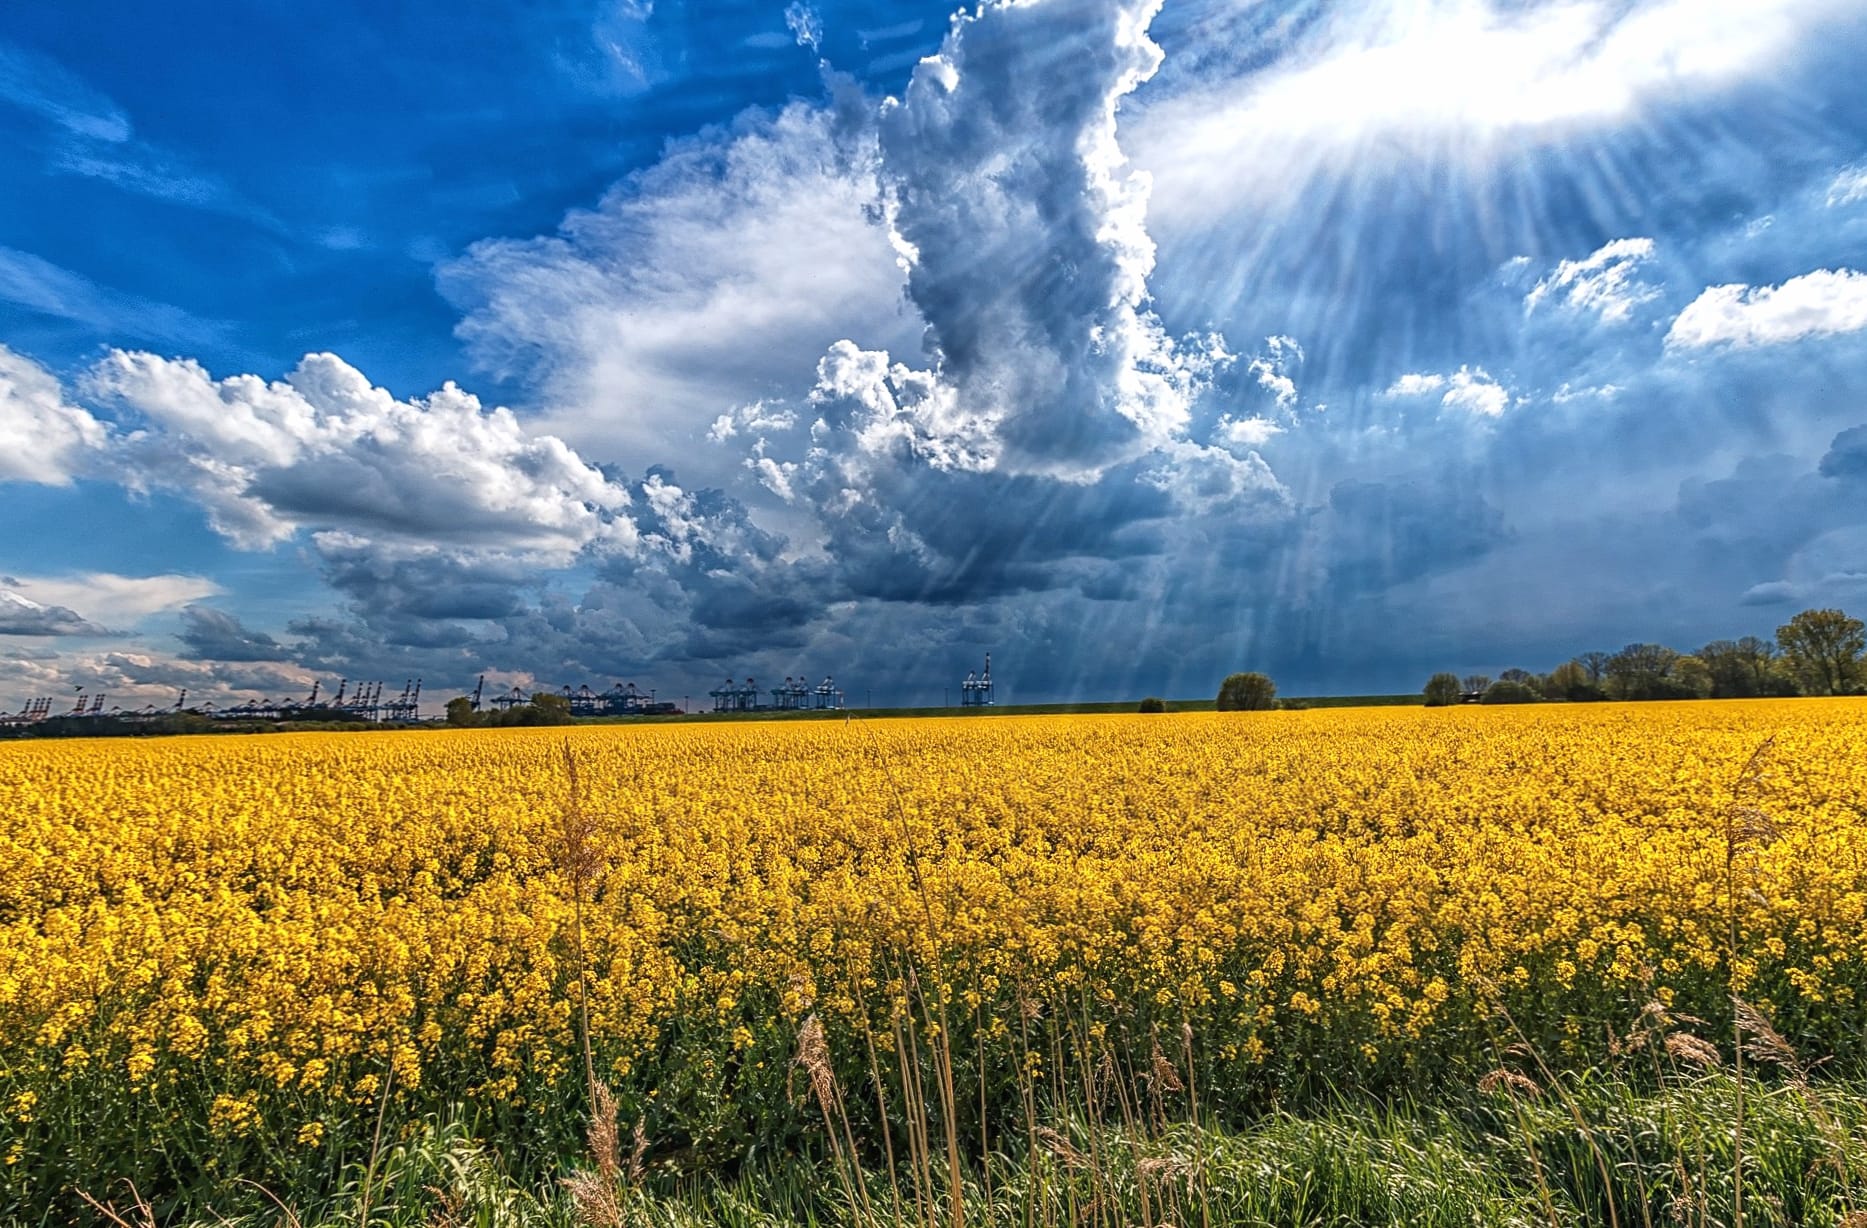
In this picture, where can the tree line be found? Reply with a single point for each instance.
(1818, 652)
(544, 708)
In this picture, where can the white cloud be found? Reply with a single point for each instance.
(709, 281)
(1246, 432)
(1415, 384)
(1236, 486)
(43, 439)
(1473, 390)
(1470, 389)
(804, 23)
(774, 476)
(1849, 187)
(1819, 304)
(325, 449)
(111, 599)
(755, 419)
(1599, 392)
(1604, 283)
(1272, 369)
(871, 408)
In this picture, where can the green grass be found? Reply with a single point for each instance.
(1603, 1152)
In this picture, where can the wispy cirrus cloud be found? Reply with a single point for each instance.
(38, 285)
(40, 84)
(94, 138)
(1849, 187)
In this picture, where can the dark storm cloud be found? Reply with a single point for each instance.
(1847, 456)
(218, 636)
(389, 588)
(947, 537)
(1382, 535)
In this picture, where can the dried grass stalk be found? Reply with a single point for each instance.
(1695, 1049)
(1511, 1081)
(1061, 1148)
(1163, 1075)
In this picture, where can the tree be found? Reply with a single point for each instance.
(1595, 664)
(1570, 681)
(1246, 693)
(1692, 674)
(1823, 650)
(1642, 671)
(1442, 690)
(460, 711)
(1476, 684)
(1517, 675)
(1768, 666)
(1153, 703)
(1741, 669)
(544, 709)
(1509, 691)
(1731, 676)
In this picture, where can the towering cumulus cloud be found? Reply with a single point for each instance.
(1022, 227)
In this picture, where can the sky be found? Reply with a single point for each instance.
(1134, 342)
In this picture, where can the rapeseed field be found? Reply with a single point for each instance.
(257, 959)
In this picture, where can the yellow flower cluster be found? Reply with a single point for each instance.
(264, 935)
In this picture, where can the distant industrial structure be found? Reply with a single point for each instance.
(33, 711)
(792, 695)
(623, 699)
(365, 702)
(976, 691)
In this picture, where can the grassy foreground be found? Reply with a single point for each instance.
(1598, 1152)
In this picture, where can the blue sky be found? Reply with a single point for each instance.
(1132, 342)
